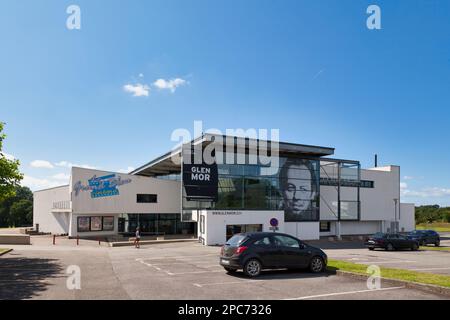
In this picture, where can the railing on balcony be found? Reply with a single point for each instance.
(65, 205)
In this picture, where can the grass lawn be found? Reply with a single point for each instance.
(390, 273)
(437, 226)
(3, 250)
(435, 248)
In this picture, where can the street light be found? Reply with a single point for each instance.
(395, 215)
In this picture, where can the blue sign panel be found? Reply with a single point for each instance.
(105, 186)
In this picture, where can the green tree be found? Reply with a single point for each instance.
(21, 213)
(17, 217)
(10, 175)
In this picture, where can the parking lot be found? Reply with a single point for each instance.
(437, 262)
(169, 271)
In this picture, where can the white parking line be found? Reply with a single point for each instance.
(381, 262)
(344, 293)
(424, 269)
(177, 257)
(224, 283)
(192, 272)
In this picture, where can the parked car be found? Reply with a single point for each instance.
(253, 252)
(425, 237)
(391, 242)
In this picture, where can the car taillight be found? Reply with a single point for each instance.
(240, 250)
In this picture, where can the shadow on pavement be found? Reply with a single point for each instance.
(284, 274)
(23, 278)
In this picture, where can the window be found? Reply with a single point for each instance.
(84, 224)
(99, 223)
(202, 224)
(263, 242)
(242, 228)
(283, 241)
(96, 224)
(108, 223)
(325, 226)
(367, 184)
(147, 198)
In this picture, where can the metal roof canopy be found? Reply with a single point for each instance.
(165, 164)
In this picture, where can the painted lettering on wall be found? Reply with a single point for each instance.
(105, 186)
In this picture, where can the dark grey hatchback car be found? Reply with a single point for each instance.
(254, 252)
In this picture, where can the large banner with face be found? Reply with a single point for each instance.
(299, 188)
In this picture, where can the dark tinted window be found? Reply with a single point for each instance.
(147, 198)
(236, 240)
(379, 235)
(263, 242)
(284, 241)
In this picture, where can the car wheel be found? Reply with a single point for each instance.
(371, 249)
(437, 243)
(252, 268)
(415, 247)
(230, 270)
(317, 265)
(390, 247)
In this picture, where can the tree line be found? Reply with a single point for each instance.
(16, 202)
(433, 213)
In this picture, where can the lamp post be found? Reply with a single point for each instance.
(395, 215)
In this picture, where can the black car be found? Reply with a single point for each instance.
(425, 237)
(391, 242)
(253, 252)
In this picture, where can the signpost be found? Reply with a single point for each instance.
(274, 224)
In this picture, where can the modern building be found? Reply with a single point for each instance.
(305, 193)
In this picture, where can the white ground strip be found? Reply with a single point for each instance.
(344, 293)
(181, 260)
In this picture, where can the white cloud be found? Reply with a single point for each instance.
(138, 90)
(171, 84)
(141, 75)
(127, 170)
(61, 176)
(408, 178)
(67, 164)
(431, 192)
(41, 164)
(37, 184)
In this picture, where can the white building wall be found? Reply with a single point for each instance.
(303, 230)
(360, 227)
(407, 217)
(216, 222)
(378, 203)
(168, 193)
(53, 222)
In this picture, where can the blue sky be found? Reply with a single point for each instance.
(309, 68)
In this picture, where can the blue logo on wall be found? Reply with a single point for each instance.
(105, 186)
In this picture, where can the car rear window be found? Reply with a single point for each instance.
(379, 235)
(236, 240)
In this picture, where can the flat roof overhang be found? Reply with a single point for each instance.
(166, 165)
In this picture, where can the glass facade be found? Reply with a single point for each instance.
(155, 224)
(293, 187)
